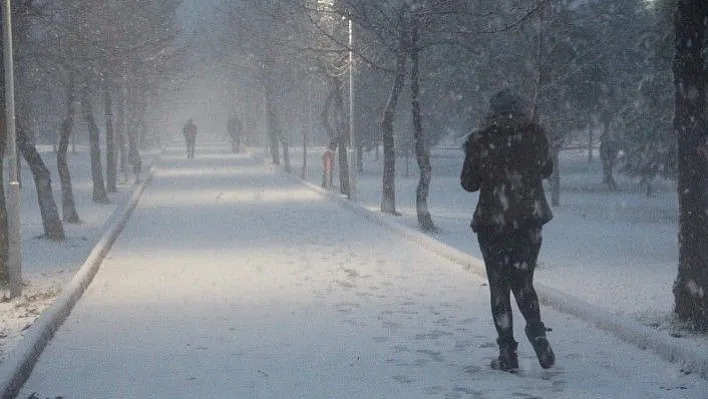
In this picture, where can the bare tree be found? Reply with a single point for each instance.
(691, 285)
(25, 11)
(68, 204)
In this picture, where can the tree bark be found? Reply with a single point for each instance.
(111, 171)
(422, 155)
(99, 188)
(272, 125)
(121, 133)
(324, 117)
(4, 228)
(591, 142)
(138, 108)
(286, 152)
(690, 288)
(70, 215)
(343, 138)
(535, 114)
(555, 179)
(333, 122)
(388, 192)
(303, 170)
(53, 228)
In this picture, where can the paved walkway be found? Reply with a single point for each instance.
(232, 280)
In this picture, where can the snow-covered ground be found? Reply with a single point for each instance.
(47, 266)
(614, 250)
(233, 280)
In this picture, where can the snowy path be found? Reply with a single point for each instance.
(232, 281)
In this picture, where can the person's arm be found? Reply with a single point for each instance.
(470, 175)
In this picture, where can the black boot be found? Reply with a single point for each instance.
(536, 334)
(508, 359)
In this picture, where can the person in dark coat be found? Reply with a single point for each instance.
(506, 161)
(235, 128)
(190, 135)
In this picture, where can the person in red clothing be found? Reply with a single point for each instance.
(328, 167)
(506, 161)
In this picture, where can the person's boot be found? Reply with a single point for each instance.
(536, 334)
(508, 360)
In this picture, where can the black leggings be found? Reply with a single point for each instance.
(510, 260)
(190, 146)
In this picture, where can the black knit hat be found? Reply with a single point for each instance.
(506, 104)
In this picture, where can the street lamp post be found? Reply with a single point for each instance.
(352, 132)
(14, 256)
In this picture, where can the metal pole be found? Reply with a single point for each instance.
(352, 135)
(14, 256)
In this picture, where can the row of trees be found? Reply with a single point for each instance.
(86, 55)
(588, 67)
(585, 66)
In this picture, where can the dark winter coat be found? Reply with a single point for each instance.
(234, 126)
(507, 162)
(189, 130)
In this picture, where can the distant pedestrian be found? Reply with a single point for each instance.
(235, 129)
(328, 166)
(190, 135)
(507, 161)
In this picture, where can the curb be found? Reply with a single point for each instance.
(690, 357)
(15, 370)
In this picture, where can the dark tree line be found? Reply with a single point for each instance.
(424, 71)
(586, 68)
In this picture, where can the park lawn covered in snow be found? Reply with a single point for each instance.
(615, 250)
(47, 266)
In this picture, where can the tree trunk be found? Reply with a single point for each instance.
(110, 141)
(121, 133)
(68, 205)
(303, 171)
(691, 285)
(360, 157)
(341, 128)
(343, 165)
(591, 142)
(272, 127)
(425, 220)
(609, 150)
(99, 188)
(555, 179)
(53, 228)
(286, 152)
(137, 115)
(324, 117)
(4, 228)
(388, 192)
(535, 114)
